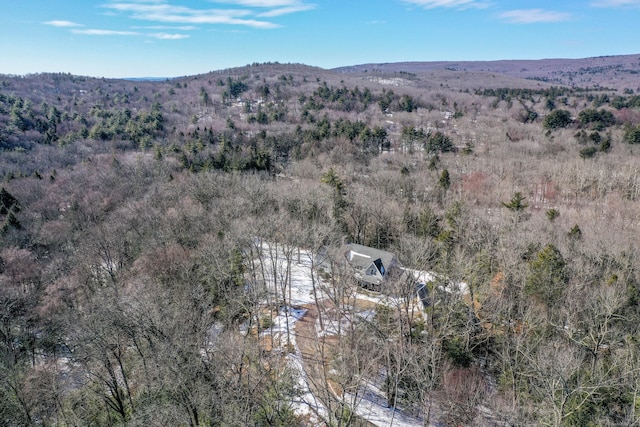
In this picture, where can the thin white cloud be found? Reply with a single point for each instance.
(616, 3)
(166, 36)
(249, 13)
(165, 13)
(286, 11)
(258, 3)
(141, 11)
(167, 27)
(95, 32)
(265, 3)
(533, 16)
(57, 23)
(212, 19)
(458, 4)
(98, 32)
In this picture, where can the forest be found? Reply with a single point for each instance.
(154, 233)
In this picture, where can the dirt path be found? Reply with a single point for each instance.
(316, 354)
(311, 349)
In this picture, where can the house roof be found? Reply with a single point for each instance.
(361, 257)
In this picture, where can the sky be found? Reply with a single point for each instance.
(169, 38)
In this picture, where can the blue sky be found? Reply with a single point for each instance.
(142, 38)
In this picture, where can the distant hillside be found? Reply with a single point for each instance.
(617, 72)
(147, 79)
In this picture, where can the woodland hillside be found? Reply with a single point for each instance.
(144, 222)
(616, 71)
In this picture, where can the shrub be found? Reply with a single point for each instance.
(557, 119)
(632, 134)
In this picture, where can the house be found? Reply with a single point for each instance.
(371, 266)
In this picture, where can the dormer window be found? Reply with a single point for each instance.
(379, 266)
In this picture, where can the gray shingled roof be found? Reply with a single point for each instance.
(361, 257)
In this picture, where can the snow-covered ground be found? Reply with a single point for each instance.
(429, 276)
(296, 269)
(305, 403)
(300, 288)
(373, 407)
(294, 266)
